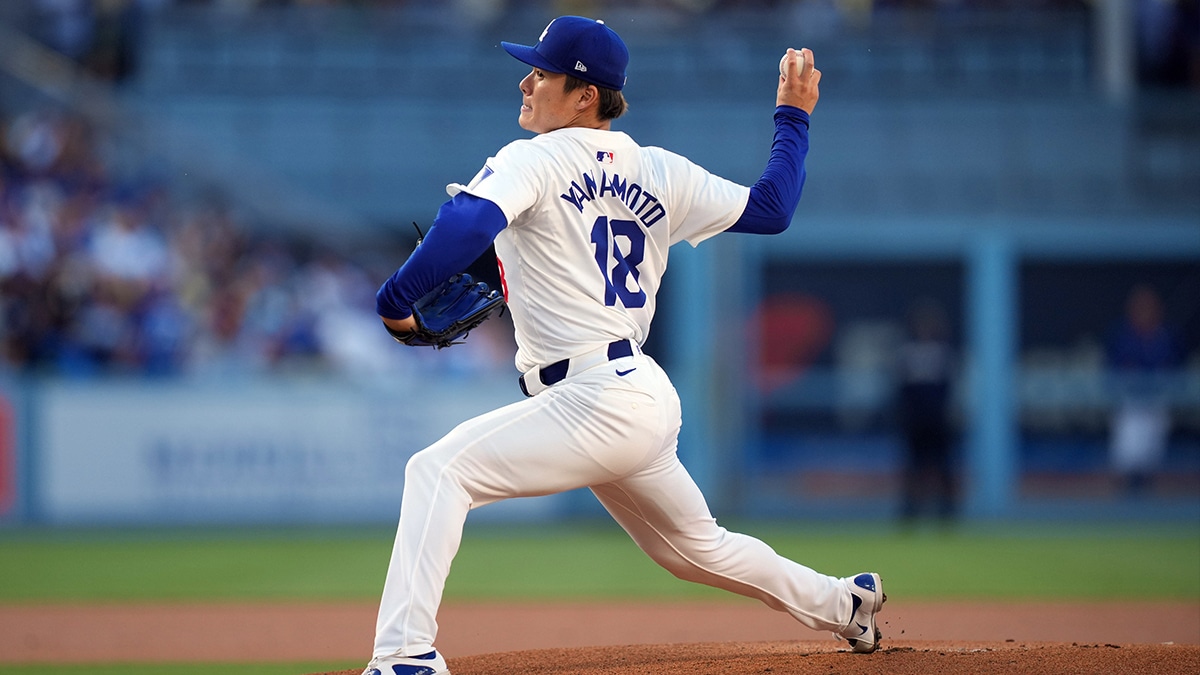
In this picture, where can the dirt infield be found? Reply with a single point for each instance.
(617, 638)
(819, 658)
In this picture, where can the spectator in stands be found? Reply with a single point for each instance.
(99, 275)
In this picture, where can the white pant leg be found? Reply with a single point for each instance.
(591, 429)
(665, 513)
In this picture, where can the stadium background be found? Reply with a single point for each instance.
(200, 198)
(202, 428)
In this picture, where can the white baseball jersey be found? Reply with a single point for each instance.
(591, 215)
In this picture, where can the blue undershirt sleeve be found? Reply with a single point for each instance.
(774, 197)
(462, 231)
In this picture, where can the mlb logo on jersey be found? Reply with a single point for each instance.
(604, 157)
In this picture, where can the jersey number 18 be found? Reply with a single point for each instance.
(617, 266)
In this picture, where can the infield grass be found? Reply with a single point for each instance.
(589, 561)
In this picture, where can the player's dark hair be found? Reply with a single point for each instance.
(612, 102)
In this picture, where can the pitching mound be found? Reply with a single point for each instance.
(646, 638)
(781, 658)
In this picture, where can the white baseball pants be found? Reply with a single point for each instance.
(616, 434)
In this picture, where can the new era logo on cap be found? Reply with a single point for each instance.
(580, 67)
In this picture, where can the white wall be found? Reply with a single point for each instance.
(272, 452)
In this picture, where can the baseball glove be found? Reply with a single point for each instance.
(446, 314)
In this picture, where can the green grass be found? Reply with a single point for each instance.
(145, 565)
(593, 561)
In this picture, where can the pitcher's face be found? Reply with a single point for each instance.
(544, 104)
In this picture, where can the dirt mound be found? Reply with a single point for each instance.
(624, 637)
(782, 658)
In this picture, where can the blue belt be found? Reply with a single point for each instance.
(555, 372)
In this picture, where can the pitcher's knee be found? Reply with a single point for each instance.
(426, 467)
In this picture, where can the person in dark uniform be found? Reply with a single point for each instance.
(925, 374)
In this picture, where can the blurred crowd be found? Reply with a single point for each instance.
(107, 275)
(103, 35)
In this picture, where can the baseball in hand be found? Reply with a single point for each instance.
(783, 61)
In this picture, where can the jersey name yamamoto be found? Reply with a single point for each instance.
(604, 210)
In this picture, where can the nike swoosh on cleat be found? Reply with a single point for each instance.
(623, 373)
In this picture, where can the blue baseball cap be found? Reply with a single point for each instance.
(584, 48)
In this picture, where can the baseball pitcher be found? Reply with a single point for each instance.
(583, 218)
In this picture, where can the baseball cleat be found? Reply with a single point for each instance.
(425, 664)
(866, 591)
